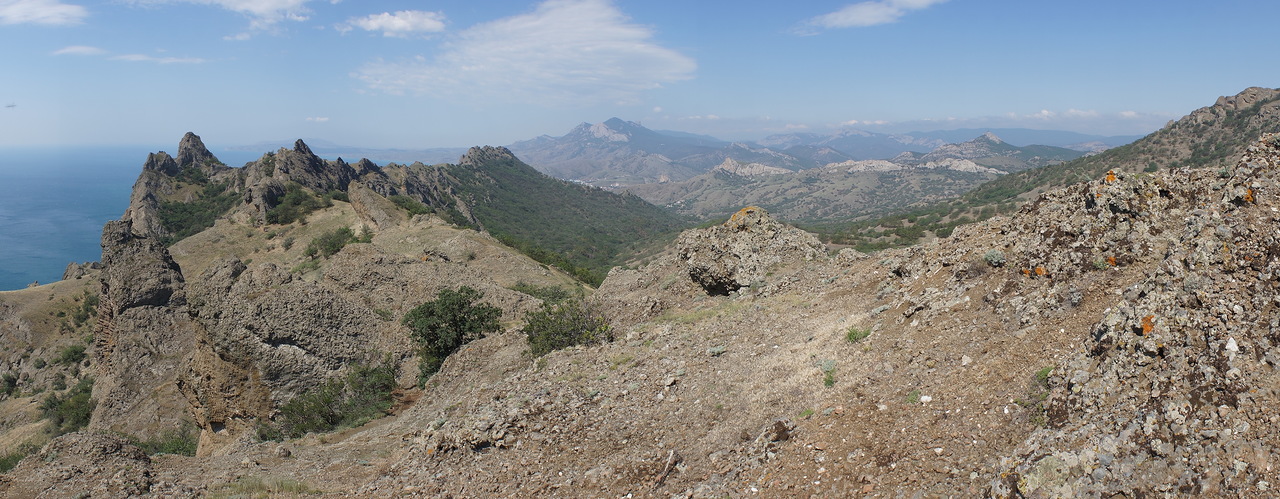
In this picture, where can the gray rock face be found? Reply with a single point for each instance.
(740, 252)
(78, 270)
(143, 333)
(1165, 396)
(191, 151)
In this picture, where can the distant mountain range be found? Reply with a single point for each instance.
(852, 188)
(618, 153)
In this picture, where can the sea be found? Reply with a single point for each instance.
(55, 200)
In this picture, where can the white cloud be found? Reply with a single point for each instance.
(157, 60)
(1128, 114)
(48, 12)
(318, 119)
(262, 14)
(709, 117)
(865, 14)
(657, 109)
(401, 24)
(864, 122)
(1076, 113)
(80, 50)
(565, 51)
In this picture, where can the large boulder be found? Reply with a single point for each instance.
(741, 252)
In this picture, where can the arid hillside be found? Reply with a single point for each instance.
(1117, 336)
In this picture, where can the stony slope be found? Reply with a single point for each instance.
(1114, 337)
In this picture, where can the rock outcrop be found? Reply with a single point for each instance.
(81, 464)
(740, 252)
(192, 152)
(142, 335)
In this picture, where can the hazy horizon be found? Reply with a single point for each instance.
(382, 75)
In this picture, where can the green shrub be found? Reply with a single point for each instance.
(10, 460)
(443, 325)
(410, 205)
(296, 203)
(561, 325)
(183, 219)
(347, 401)
(72, 354)
(855, 334)
(39, 363)
(8, 383)
(329, 243)
(71, 411)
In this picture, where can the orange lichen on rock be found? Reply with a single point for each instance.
(1147, 325)
(1248, 196)
(1111, 260)
(1040, 271)
(1111, 176)
(741, 218)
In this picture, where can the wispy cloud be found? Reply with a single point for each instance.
(85, 50)
(263, 14)
(565, 51)
(874, 13)
(157, 60)
(79, 50)
(46, 12)
(318, 119)
(402, 24)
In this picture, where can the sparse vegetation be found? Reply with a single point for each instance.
(347, 401)
(72, 354)
(183, 219)
(253, 487)
(13, 457)
(828, 368)
(296, 203)
(70, 411)
(548, 294)
(561, 325)
(443, 325)
(329, 243)
(180, 441)
(855, 334)
(913, 397)
(994, 258)
(413, 206)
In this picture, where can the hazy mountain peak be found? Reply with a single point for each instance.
(989, 137)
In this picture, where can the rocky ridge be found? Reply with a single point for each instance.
(1113, 337)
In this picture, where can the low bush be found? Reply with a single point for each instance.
(13, 457)
(561, 325)
(70, 411)
(413, 206)
(72, 354)
(443, 325)
(296, 203)
(347, 401)
(329, 243)
(856, 334)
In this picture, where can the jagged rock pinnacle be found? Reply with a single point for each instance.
(191, 151)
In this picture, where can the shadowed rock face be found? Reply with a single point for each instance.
(735, 255)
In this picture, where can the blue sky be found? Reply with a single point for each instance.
(417, 74)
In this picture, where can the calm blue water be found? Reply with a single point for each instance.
(54, 201)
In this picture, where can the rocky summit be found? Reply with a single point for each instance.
(1116, 337)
